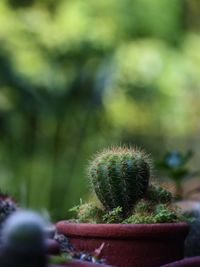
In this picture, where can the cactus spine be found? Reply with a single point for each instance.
(120, 177)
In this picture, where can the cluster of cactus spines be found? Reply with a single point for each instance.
(120, 177)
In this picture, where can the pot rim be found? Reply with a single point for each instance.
(132, 231)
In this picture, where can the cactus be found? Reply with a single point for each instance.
(23, 240)
(157, 194)
(120, 177)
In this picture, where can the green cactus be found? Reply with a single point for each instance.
(120, 177)
(157, 194)
(23, 240)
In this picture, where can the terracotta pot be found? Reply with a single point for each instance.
(187, 262)
(128, 245)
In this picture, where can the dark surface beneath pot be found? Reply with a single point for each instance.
(77, 263)
(187, 262)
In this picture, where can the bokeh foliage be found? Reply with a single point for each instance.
(76, 76)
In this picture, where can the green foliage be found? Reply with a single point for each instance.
(164, 214)
(160, 213)
(146, 210)
(143, 207)
(120, 177)
(138, 218)
(60, 259)
(88, 212)
(113, 216)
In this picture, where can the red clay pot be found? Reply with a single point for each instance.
(187, 262)
(128, 245)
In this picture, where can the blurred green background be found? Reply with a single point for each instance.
(80, 75)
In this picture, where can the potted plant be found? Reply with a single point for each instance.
(136, 224)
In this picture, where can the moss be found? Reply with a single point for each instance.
(160, 213)
(143, 207)
(138, 218)
(164, 214)
(114, 216)
(155, 207)
(88, 213)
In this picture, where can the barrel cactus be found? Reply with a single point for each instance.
(23, 240)
(120, 177)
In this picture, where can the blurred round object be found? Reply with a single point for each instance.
(190, 206)
(192, 244)
(23, 240)
(24, 230)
